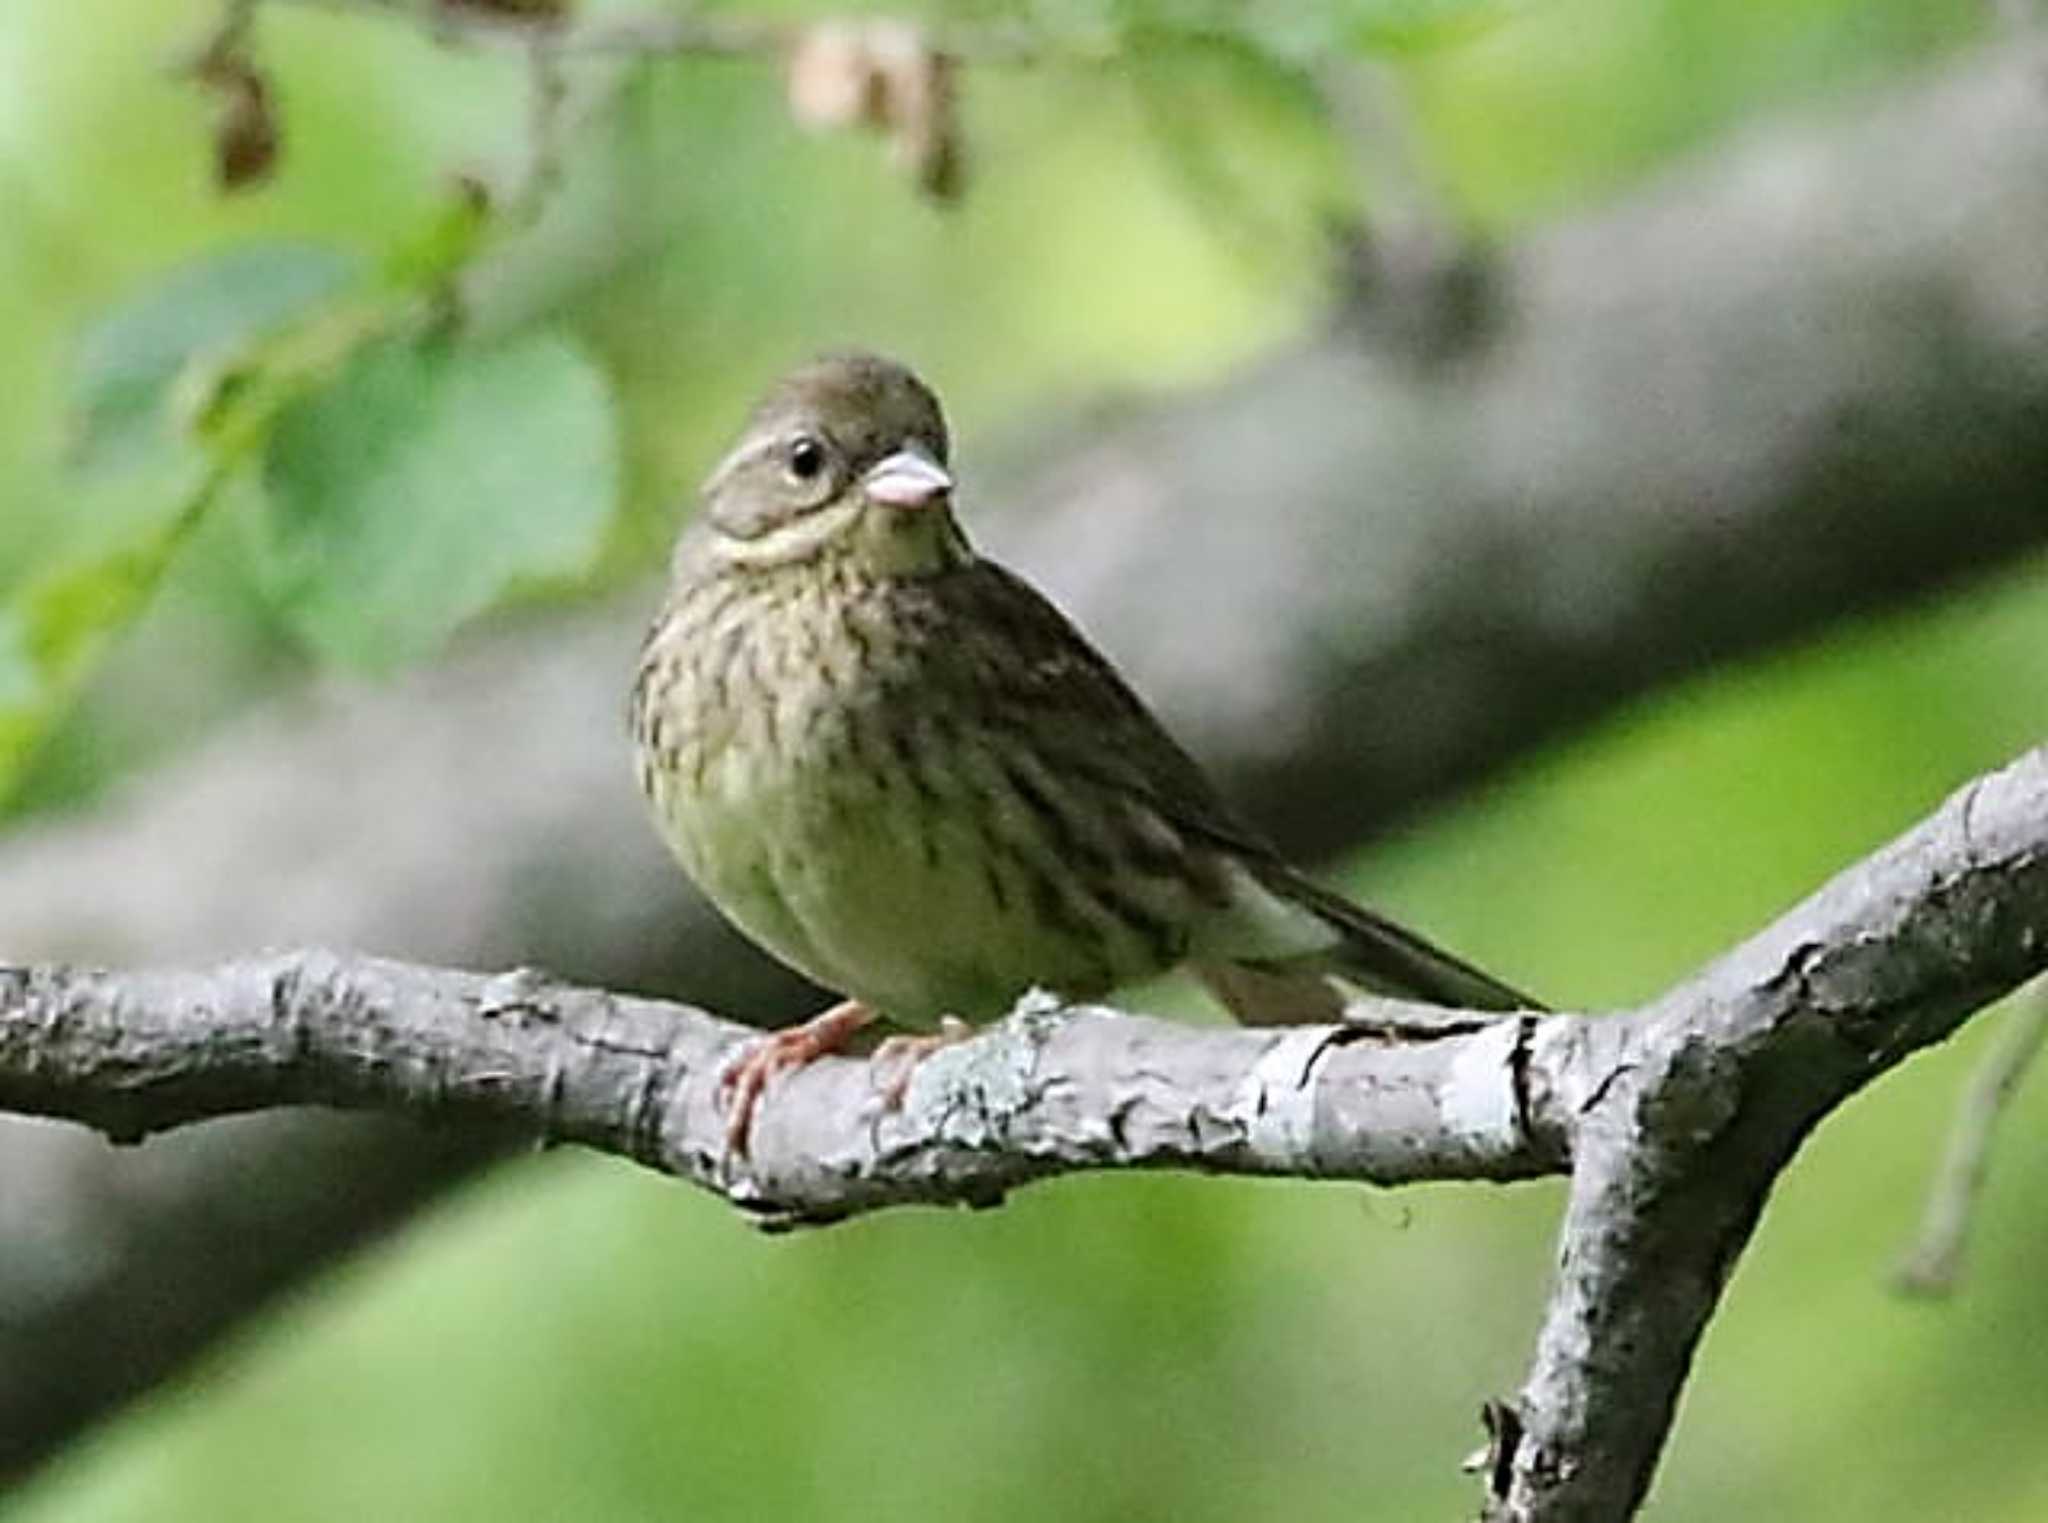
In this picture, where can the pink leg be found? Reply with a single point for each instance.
(898, 1056)
(740, 1086)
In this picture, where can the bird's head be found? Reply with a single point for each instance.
(844, 457)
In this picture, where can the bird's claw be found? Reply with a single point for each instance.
(778, 1052)
(897, 1057)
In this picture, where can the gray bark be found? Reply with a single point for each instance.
(1805, 379)
(1673, 1120)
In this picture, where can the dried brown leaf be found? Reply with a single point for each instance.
(887, 76)
(245, 130)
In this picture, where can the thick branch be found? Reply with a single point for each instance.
(1049, 1091)
(1676, 1119)
(1694, 1106)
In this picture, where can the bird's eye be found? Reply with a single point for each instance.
(806, 459)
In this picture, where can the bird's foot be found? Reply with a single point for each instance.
(897, 1057)
(779, 1052)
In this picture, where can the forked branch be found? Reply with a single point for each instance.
(1673, 1120)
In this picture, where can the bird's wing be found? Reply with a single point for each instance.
(1390, 958)
(1068, 706)
(1063, 698)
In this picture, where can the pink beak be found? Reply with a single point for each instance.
(907, 479)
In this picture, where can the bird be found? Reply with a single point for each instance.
(900, 769)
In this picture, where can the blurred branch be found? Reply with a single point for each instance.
(694, 33)
(863, 71)
(1416, 285)
(119, 1265)
(1934, 1263)
(1769, 393)
(1673, 1120)
(515, 27)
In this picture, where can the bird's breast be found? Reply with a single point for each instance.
(832, 774)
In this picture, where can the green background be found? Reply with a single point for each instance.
(570, 1338)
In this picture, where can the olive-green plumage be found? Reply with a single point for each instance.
(901, 770)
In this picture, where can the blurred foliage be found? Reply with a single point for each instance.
(658, 215)
(431, 475)
(335, 414)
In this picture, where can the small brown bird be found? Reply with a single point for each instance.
(902, 771)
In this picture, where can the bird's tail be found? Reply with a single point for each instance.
(1372, 952)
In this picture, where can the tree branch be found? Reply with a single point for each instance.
(1684, 1114)
(696, 34)
(1674, 1119)
(1049, 1091)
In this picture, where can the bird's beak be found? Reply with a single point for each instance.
(907, 479)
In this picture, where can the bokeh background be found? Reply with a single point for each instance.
(565, 1337)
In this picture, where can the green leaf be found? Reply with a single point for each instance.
(145, 481)
(55, 627)
(128, 361)
(429, 478)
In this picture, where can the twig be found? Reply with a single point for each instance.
(1364, 99)
(1933, 1264)
(702, 34)
(547, 131)
(227, 36)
